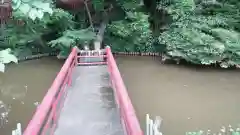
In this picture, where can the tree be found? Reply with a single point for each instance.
(132, 32)
(32, 20)
(203, 31)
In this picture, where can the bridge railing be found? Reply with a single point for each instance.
(45, 118)
(44, 121)
(128, 116)
(90, 57)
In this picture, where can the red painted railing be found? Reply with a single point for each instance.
(45, 118)
(128, 115)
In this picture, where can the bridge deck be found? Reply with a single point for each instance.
(90, 108)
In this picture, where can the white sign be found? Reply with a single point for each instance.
(153, 127)
(18, 131)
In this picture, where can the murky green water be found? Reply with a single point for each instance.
(22, 87)
(187, 99)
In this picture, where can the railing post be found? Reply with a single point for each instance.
(76, 58)
(109, 65)
(108, 49)
(108, 52)
(74, 50)
(152, 127)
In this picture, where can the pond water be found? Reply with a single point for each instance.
(186, 98)
(22, 87)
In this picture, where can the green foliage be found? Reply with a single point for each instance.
(32, 8)
(59, 21)
(27, 24)
(71, 38)
(199, 31)
(132, 33)
(32, 20)
(224, 130)
(203, 32)
(98, 5)
(129, 5)
(194, 133)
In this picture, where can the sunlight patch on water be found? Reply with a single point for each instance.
(4, 111)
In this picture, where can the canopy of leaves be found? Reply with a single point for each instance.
(71, 38)
(203, 31)
(32, 8)
(26, 25)
(199, 31)
(32, 20)
(131, 33)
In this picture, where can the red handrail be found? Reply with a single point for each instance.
(127, 112)
(45, 118)
(41, 116)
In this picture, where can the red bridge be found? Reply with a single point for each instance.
(88, 97)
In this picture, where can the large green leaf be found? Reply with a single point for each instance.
(33, 9)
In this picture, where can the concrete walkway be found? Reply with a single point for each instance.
(90, 107)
